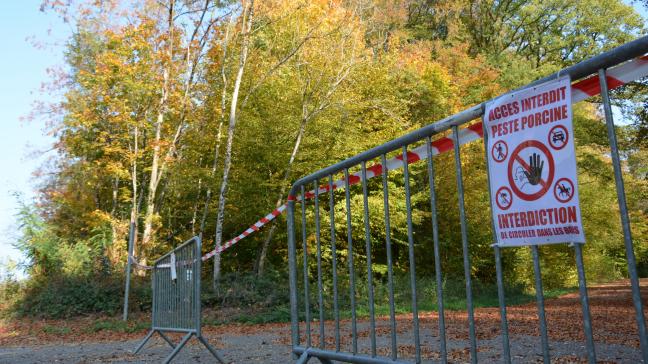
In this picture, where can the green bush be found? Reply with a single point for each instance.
(61, 297)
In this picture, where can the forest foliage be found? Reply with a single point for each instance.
(188, 117)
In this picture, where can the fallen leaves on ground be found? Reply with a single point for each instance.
(613, 318)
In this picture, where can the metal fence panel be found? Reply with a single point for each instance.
(381, 344)
(176, 297)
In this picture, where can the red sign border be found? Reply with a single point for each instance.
(493, 150)
(549, 136)
(551, 166)
(572, 186)
(497, 201)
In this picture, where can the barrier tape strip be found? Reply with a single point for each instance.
(616, 77)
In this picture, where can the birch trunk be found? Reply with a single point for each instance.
(135, 202)
(155, 164)
(248, 14)
(208, 196)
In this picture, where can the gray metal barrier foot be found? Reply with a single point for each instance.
(303, 359)
(166, 338)
(211, 349)
(177, 349)
(146, 338)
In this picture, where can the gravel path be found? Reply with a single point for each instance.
(612, 313)
(263, 348)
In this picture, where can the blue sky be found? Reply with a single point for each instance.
(22, 71)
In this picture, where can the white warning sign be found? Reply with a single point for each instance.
(532, 166)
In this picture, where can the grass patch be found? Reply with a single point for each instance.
(263, 301)
(117, 326)
(56, 330)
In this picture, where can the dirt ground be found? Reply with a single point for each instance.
(612, 314)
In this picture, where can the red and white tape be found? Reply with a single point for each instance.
(581, 90)
(617, 76)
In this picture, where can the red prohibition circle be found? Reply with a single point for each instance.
(558, 133)
(502, 203)
(515, 156)
(560, 189)
(499, 153)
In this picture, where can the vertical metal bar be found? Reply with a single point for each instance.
(306, 279)
(437, 253)
(370, 289)
(174, 295)
(292, 274)
(159, 295)
(163, 296)
(412, 257)
(180, 283)
(390, 270)
(154, 292)
(169, 313)
(186, 287)
(179, 294)
(506, 346)
(587, 317)
(195, 280)
(464, 242)
(131, 234)
(352, 291)
(625, 220)
(541, 305)
(319, 265)
(334, 257)
(194, 283)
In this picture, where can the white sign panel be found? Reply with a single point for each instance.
(532, 166)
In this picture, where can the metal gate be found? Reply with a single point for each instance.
(176, 297)
(320, 188)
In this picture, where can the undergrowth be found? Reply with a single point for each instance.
(244, 298)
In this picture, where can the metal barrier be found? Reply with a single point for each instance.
(301, 311)
(176, 297)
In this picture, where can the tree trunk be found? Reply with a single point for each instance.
(266, 243)
(219, 135)
(115, 194)
(307, 115)
(248, 13)
(135, 202)
(195, 208)
(155, 164)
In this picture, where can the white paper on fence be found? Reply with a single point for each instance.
(532, 166)
(173, 267)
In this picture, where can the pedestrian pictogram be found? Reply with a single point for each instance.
(564, 190)
(528, 174)
(499, 151)
(558, 137)
(504, 198)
